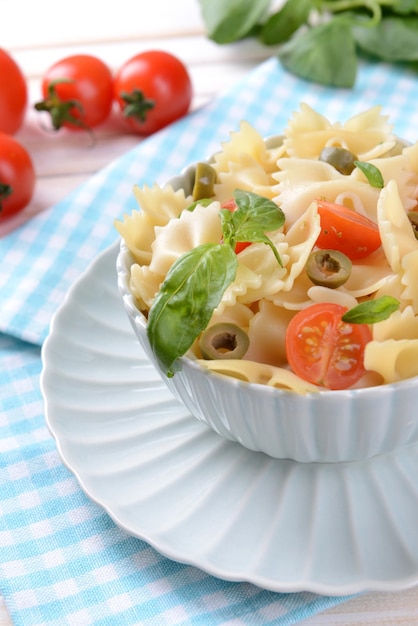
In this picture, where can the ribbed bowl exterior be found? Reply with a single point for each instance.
(328, 426)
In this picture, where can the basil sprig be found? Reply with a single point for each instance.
(255, 215)
(372, 311)
(320, 40)
(196, 282)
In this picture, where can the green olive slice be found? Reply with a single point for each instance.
(340, 158)
(413, 218)
(205, 179)
(328, 268)
(223, 341)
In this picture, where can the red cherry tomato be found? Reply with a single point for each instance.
(323, 349)
(77, 92)
(13, 94)
(231, 205)
(347, 231)
(17, 176)
(153, 89)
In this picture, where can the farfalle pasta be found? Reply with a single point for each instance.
(265, 295)
(368, 134)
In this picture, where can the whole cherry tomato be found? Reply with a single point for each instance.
(13, 94)
(323, 349)
(347, 231)
(77, 92)
(17, 176)
(152, 89)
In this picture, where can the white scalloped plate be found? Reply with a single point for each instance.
(197, 498)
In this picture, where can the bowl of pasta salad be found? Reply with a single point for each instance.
(274, 287)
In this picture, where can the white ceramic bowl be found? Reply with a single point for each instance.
(326, 426)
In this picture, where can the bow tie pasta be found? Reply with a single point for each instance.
(322, 177)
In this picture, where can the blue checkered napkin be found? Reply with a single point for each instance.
(64, 562)
(62, 559)
(42, 258)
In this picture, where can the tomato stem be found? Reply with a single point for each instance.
(137, 104)
(61, 110)
(5, 192)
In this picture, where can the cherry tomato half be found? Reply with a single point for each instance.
(231, 205)
(153, 89)
(323, 349)
(17, 176)
(347, 231)
(77, 92)
(13, 94)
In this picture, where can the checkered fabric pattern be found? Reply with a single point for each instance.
(41, 259)
(62, 559)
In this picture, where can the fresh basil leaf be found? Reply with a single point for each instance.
(254, 217)
(254, 235)
(184, 305)
(372, 311)
(228, 227)
(405, 6)
(282, 24)
(202, 202)
(255, 210)
(394, 38)
(372, 173)
(324, 54)
(229, 20)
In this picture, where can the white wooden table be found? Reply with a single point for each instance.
(38, 34)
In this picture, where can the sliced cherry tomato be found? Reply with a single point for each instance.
(153, 89)
(13, 95)
(323, 349)
(231, 205)
(17, 176)
(77, 92)
(346, 230)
